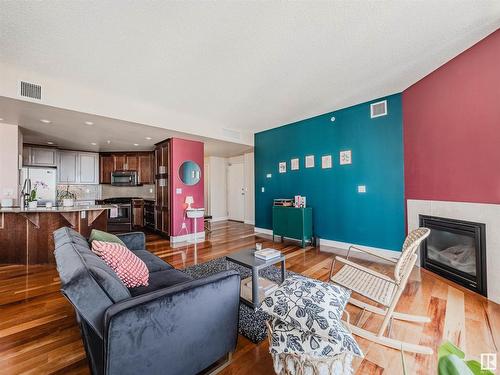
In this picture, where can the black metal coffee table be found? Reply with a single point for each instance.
(246, 258)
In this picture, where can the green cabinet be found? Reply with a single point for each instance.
(293, 223)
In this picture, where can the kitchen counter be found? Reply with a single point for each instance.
(56, 209)
(26, 234)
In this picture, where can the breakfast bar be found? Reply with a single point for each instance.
(26, 234)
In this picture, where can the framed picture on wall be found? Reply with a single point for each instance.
(310, 161)
(282, 167)
(326, 161)
(345, 157)
(294, 164)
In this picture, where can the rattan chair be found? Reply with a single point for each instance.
(383, 290)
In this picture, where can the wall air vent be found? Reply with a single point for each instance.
(378, 109)
(31, 90)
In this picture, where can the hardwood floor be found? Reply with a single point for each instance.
(39, 335)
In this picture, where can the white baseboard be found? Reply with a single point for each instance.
(221, 218)
(331, 245)
(263, 231)
(187, 237)
(251, 222)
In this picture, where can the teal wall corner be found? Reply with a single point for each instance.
(375, 218)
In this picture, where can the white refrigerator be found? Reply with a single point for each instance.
(44, 179)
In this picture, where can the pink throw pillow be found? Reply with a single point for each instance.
(131, 270)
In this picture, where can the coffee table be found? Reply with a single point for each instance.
(246, 258)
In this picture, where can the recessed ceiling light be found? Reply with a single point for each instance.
(50, 143)
(136, 144)
(45, 121)
(94, 144)
(89, 123)
(149, 138)
(108, 142)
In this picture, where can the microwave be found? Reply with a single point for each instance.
(124, 178)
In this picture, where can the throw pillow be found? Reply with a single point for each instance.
(131, 270)
(99, 235)
(286, 338)
(307, 304)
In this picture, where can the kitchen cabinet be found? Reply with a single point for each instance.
(293, 222)
(67, 167)
(149, 213)
(88, 167)
(39, 156)
(106, 168)
(146, 168)
(138, 213)
(75, 167)
(162, 190)
(142, 162)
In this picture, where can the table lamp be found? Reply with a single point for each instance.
(189, 201)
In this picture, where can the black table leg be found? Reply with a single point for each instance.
(283, 270)
(255, 287)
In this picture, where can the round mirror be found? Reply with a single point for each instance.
(190, 173)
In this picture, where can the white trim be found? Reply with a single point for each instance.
(263, 231)
(376, 103)
(216, 219)
(330, 245)
(187, 237)
(251, 222)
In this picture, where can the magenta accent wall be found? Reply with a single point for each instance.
(452, 129)
(182, 150)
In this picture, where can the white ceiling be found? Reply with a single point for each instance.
(199, 67)
(68, 130)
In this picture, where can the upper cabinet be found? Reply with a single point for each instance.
(78, 167)
(142, 162)
(39, 156)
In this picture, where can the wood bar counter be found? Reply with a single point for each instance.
(26, 234)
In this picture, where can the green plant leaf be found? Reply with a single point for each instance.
(475, 367)
(447, 348)
(451, 364)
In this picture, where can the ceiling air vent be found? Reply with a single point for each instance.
(378, 109)
(30, 90)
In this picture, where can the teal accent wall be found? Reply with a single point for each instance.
(375, 218)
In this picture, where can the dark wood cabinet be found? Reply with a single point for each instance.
(162, 202)
(142, 162)
(146, 168)
(137, 213)
(107, 167)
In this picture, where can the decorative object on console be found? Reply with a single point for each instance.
(309, 161)
(345, 157)
(189, 201)
(283, 202)
(299, 201)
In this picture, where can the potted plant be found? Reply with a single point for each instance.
(32, 199)
(66, 197)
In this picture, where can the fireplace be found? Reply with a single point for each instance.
(456, 250)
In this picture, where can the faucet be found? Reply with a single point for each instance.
(25, 193)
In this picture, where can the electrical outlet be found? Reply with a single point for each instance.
(361, 188)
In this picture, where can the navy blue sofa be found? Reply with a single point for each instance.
(176, 325)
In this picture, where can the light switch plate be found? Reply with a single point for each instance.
(83, 214)
(269, 175)
(178, 191)
(361, 188)
(262, 189)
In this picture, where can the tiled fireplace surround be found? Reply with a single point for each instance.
(489, 214)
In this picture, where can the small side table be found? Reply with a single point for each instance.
(246, 258)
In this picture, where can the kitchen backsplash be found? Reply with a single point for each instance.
(83, 192)
(144, 191)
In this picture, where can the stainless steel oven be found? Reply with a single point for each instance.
(120, 216)
(124, 178)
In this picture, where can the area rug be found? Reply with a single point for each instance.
(252, 323)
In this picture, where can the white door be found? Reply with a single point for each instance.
(236, 192)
